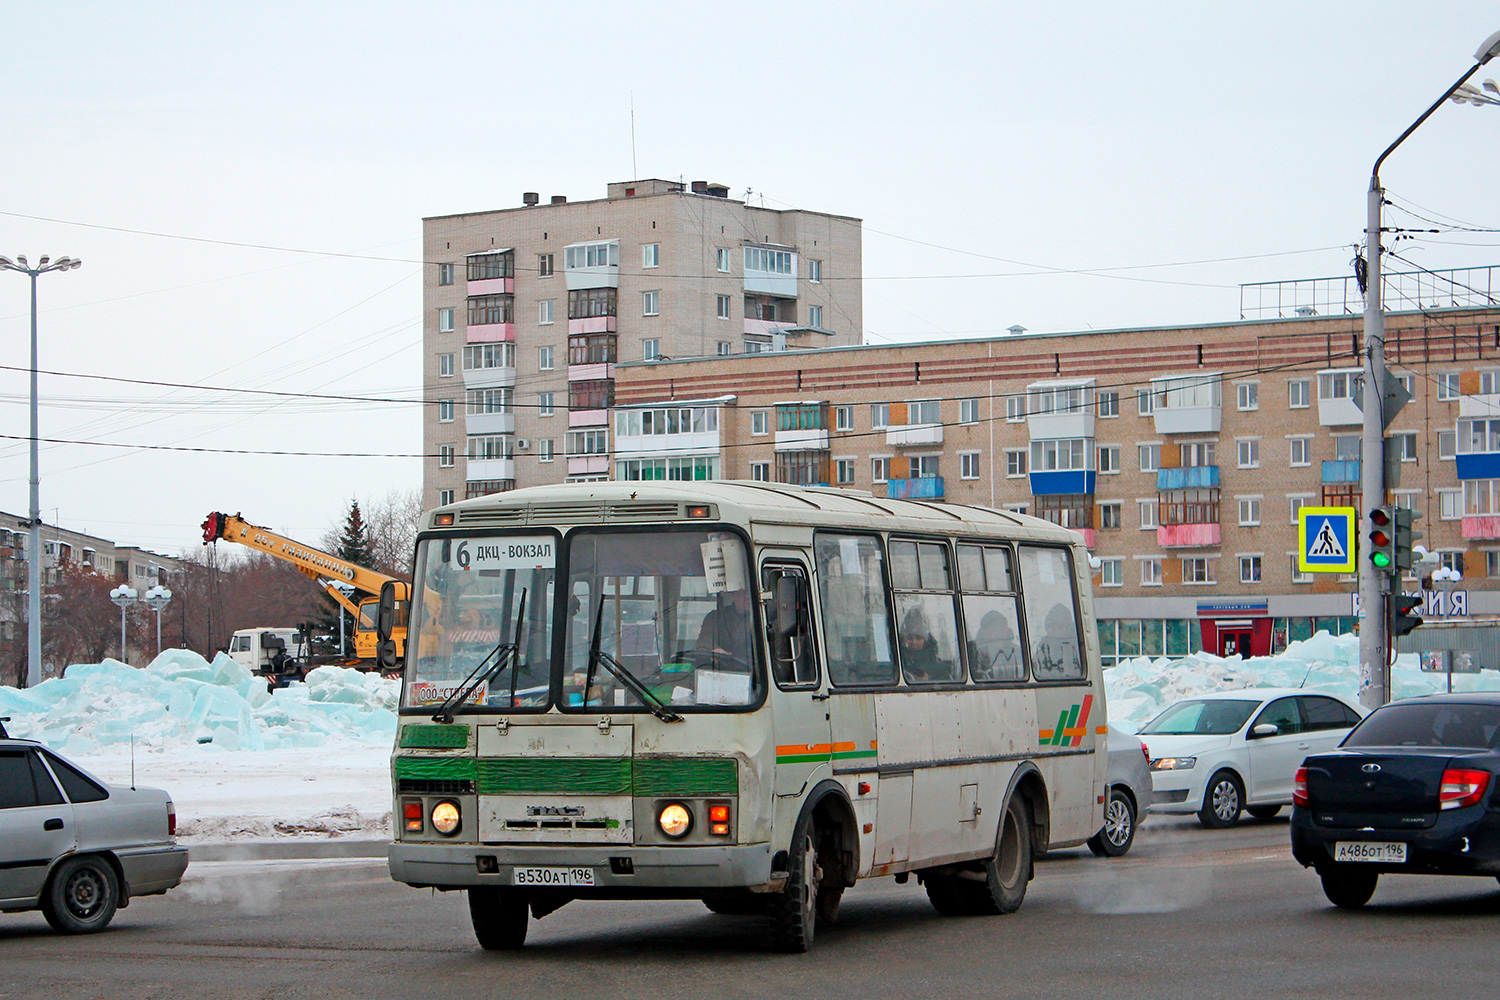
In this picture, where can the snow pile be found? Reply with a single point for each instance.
(181, 698)
(1138, 688)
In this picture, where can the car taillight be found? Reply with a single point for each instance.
(1299, 788)
(1146, 753)
(411, 813)
(171, 819)
(1462, 787)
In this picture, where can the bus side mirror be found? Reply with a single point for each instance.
(395, 604)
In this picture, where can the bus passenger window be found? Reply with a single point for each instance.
(924, 608)
(1051, 613)
(852, 602)
(990, 614)
(789, 627)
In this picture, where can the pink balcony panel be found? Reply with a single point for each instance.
(1187, 536)
(1482, 526)
(492, 286)
(594, 324)
(590, 373)
(1088, 536)
(588, 418)
(585, 465)
(490, 333)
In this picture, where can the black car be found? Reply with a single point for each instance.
(1413, 789)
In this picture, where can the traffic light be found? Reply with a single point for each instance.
(1403, 614)
(1405, 536)
(1383, 539)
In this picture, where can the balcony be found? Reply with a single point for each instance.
(1052, 483)
(592, 324)
(488, 378)
(1088, 536)
(485, 469)
(588, 465)
(590, 373)
(491, 286)
(766, 327)
(914, 435)
(490, 423)
(806, 440)
(1480, 405)
(1339, 397)
(588, 418)
(1187, 536)
(1060, 409)
(1340, 471)
(490, 333)
(927, 488)
(1194, 477)
(1187, 404)
(1477, 465)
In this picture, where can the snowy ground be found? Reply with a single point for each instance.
(312, 761)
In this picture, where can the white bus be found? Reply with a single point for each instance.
(746, 693)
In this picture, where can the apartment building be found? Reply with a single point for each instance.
(1182, 455)
(528, 310)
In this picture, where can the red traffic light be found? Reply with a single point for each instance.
(1380, 538)
(1380, 517)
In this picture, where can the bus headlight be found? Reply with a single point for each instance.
(445, 818)
(675, 820)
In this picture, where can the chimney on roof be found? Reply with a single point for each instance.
(700, 187)
(530, 198)
(559, 199)
(717, 190)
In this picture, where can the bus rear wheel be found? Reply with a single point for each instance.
(499, 916)
(794, 911)
(999, 884)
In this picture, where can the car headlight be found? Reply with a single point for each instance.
(1173, 763)
(675, 820)
(445, 818)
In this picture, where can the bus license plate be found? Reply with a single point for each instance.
(1378, 853)
(553, 876)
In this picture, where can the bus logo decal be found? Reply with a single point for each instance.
(1072, 725)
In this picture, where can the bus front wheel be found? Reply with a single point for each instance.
(499, 916)
(794, 911)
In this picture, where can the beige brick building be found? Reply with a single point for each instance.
(528, 310)
(1181, 454)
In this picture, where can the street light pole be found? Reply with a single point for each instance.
(156, 598)
(123, 596)
(1374, 584)
(34, 552)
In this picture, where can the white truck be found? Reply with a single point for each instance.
(279, 654)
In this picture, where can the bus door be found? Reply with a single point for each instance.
(799, 714)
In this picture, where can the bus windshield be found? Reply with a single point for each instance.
(475, 597)
(671, 608)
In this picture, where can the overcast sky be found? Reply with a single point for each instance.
(246, 191)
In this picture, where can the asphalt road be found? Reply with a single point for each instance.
(1189, 913)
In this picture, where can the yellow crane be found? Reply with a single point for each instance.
(355, 588)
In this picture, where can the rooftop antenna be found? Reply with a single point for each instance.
(635, 171)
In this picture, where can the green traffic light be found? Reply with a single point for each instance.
(1381, 560)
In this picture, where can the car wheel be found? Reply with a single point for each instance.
(1118, 832)
(794, 911)
(1222, 801)
(500, 917)
(1348, 889)
(1263, 812)
(81, 896)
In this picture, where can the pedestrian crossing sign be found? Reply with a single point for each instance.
(1326, 542)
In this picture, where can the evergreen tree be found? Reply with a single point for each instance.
(352, 545)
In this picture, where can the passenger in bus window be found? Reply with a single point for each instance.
(997, 654)
(1057, 653)
(726, 629)
(919, 653)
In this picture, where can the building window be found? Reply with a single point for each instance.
(592, 349)
(725, 348)
(1450, 505)
(1148, 514)
(1297, 397)
(1195, 569)
(880, 470)
(815, 317)
(1112, 573)
(1447, 385)
(598, 394)
(724, 304)
(650, 255)
(880, 415)
(723, 259)
(1404, 445)
(843, 418)
(1150, 456)
(484, 266)
(760, 422)
(1249, 569)
(445, 274)
(588, 442)
(1015, 463)
(844, 471)
(544, 265)
(1492, 564)
(544, 312)
(923, 466)
(1111, 515)
(651, 303)
(489, 309)
(1451, 560)
(1340, 385)
(445, 497)
(445, 411)
(1299, 575)
(445, 366)
(1059, 455)
(1248, 394)
(802, 468)
(544, 358)
(478, 357)
(1015, 409)
(481, 401)
(445, 320)
(591, 303)
(445, 456)
(815, 271)
(1145, 401)
(1151, 572)
(1014, 508)
(1481, 496)
(486, 447)
(1109, 459)
(592, 255)
(968, 465)
(651, 349)
(544, 404)
(1249, 452)
(760, 472)
(1199, 455)
(1249, 511)
(1295, 505)
(770, 261)
(1109, 404)
(801, 417)
(1301, 451)
(923, 411)
(544, 450)
(968, 411)
(1446, 444)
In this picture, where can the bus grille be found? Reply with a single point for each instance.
(572, 513)
(434, 786)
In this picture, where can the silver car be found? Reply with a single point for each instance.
(1129, 794)
(76, 847)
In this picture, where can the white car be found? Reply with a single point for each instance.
(1218, 754)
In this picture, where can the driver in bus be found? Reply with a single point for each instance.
(726, 629)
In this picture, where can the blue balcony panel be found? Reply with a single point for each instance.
(1484, 465)
(1054, 483)
(1344, 471)
(928, 488)
(1197, 477)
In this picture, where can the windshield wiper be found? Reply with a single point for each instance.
(598, 657)
(505, 654)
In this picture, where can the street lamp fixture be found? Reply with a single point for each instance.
(157, 598)
(123, 596)
(34, 543)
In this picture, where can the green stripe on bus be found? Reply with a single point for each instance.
(436, 768)
(686, 776)
(846, 754)
(434, 737)
(554, 776)
(801, 758)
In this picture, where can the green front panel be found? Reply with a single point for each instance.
(554, 776)
(436, 768)
(659, 776)
(434, 737)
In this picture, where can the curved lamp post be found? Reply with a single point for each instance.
(34, 551)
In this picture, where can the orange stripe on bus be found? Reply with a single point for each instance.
(797, 748)
(1100, 730)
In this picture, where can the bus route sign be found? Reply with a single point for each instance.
(1326, 542)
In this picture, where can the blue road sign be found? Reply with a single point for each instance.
(1326, 539)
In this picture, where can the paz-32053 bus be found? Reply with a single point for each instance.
(745, 693)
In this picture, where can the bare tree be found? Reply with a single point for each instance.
(391, 524)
